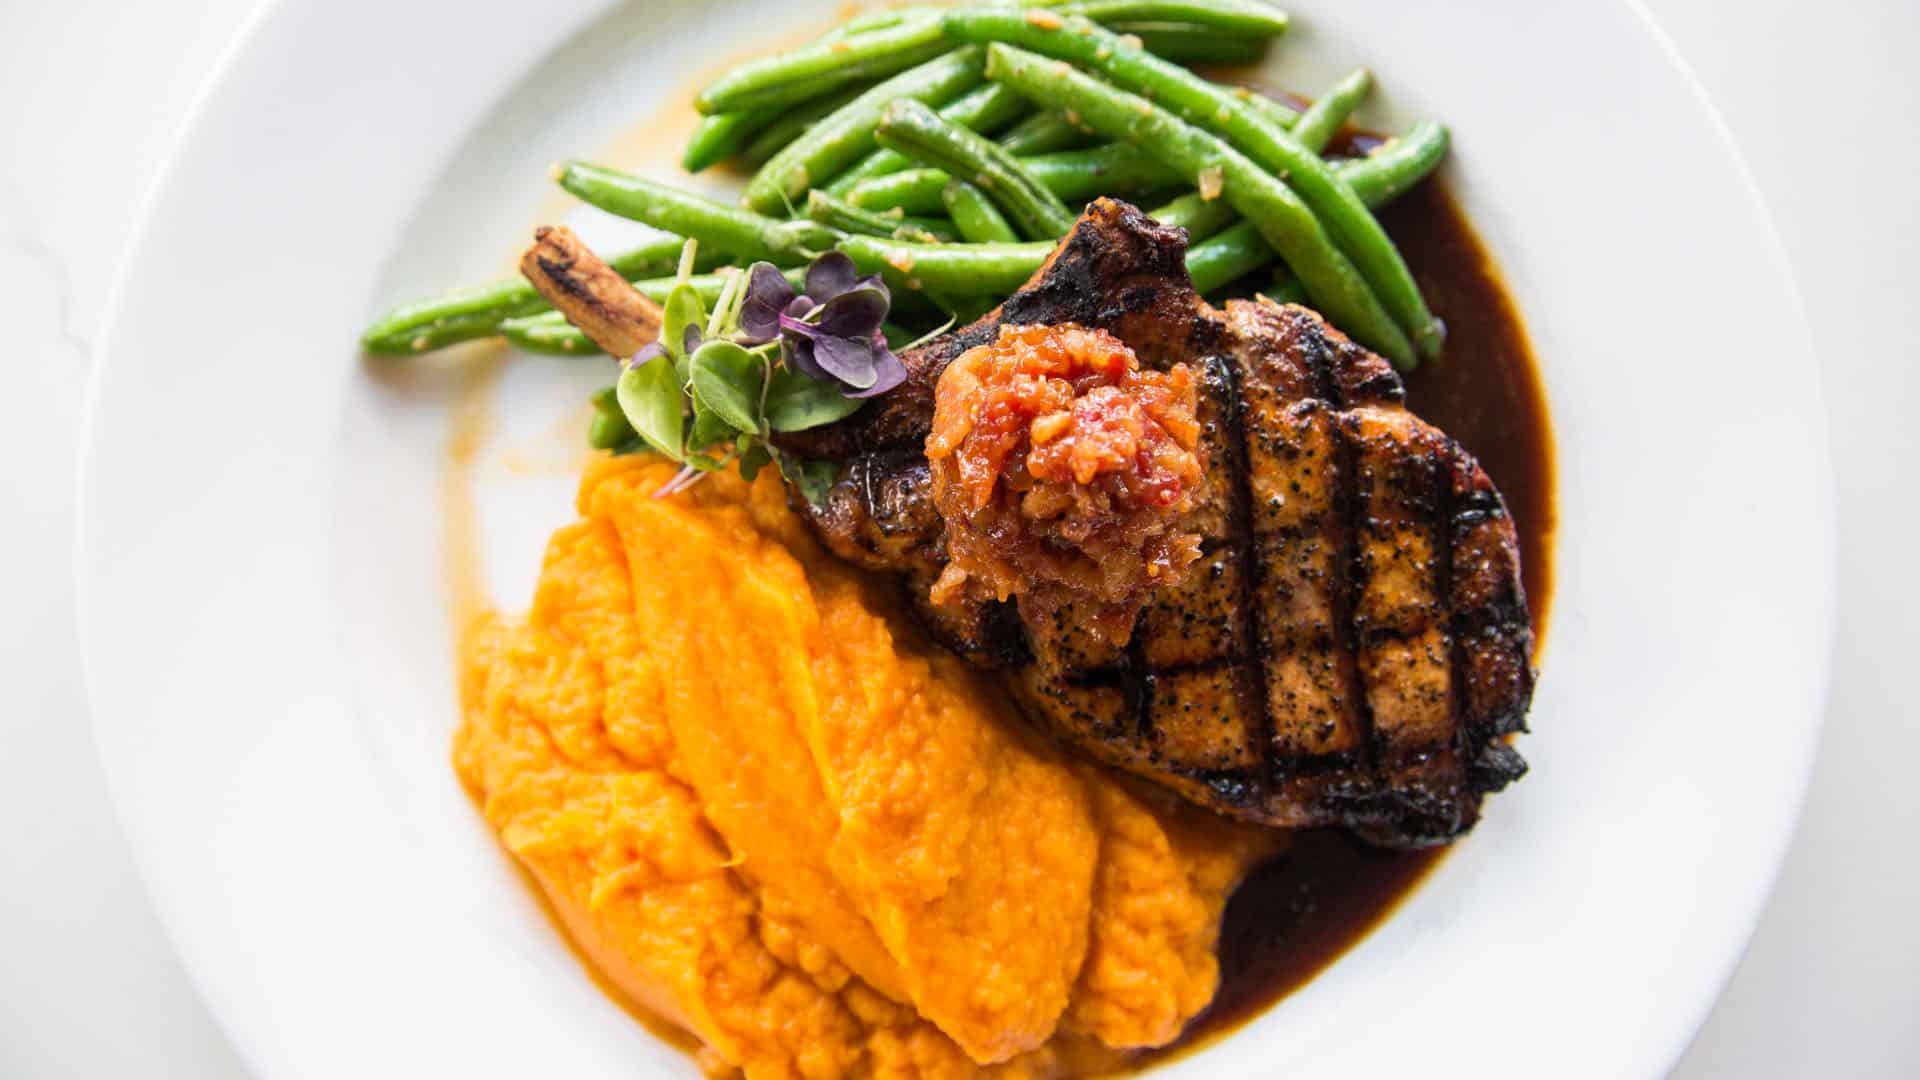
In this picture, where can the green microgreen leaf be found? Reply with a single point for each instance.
(651, 398)
(709, 430)
(731, 327)
(811, 478)
(796, 402)
(721, 321)
(682, 309)
(729, 381)
(688, 252)
(754, 456)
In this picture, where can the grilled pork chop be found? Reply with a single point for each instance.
(1353, 645)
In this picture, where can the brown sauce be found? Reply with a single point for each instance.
(1301, 912)
(1485, 390)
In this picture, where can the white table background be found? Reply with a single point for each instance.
(1821, 99)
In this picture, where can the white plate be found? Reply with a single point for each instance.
(265, 608)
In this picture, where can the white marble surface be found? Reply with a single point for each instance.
(1820, 99)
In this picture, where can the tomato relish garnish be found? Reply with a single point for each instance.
(1066, 474)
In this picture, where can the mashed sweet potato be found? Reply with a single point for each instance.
(776, 816)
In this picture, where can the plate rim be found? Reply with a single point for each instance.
(171, 163)
(244, 37)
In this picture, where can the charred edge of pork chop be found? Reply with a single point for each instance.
(880, 516)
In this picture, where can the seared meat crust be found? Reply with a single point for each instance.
(1354, 644)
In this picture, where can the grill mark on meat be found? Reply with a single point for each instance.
(1346, 486)
(1445, 540)
(1143, 684)
(1490, 614)
(1247, 674)
(1355, 638)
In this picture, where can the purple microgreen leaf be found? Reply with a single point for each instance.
(855, 314)
(652, 350)
(796, 352)
(768, 293)
(691, 339)
(793, 327)
(888, 370)
(799, 308)
(848, 359)
(830, 275)
(875, 281)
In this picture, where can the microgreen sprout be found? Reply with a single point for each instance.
(829, 331)
(717, 385)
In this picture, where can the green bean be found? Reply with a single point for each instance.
(1043, 133)
(878, 20)
(845, 137)
(1272, 110)
(722, 135)
(1285, 289)
(745, 234)
(975, 216)
(998, 269)
(954, 269)
(1397, 164)
(793, 122)
(1287, 223)
(967, 309)
(1244, 17)
(475, 311)
(1183, 95)
(707, 285)
(913, 129)
(1199, 215)
(912, 191)
(985, 109)
(1233, 253)
(840, 214)
(462, 315)
(548, 331)
(791, 77)
(389, 338)
(1074, 175)
(550, 337)
(1114, 169)
(609, 428)
(1184, 44)
(1323, 118)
